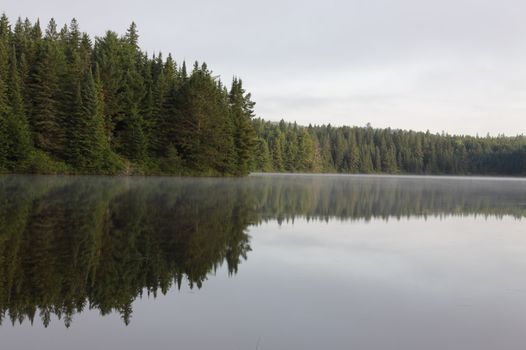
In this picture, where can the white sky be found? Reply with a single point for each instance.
(452, 65)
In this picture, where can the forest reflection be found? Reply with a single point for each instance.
(71, 243)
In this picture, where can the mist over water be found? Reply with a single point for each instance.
(267, 262)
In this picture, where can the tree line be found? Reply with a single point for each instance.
(288, 147)
(69, 104)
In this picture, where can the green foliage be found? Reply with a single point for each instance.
(262, 159)
(133, 138)
(241, 111)
(172, 163)
(203, 132)
(87, 145)
(4, 106)
(366, 150)
(46, 122)
(106, 107)
(18, 137)
(41, 163)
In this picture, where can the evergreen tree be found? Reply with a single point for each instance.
(4, 106)
(134, 143)
(354, 156)
(149, 115)
(86, 140)
(277, 152)
(203, 134)
(17, 129)
(242, 110)
(45, 119)
(131, 132)
(262, 159)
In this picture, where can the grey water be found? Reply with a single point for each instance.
(263, 262)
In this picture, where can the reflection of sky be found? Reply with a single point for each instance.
(453, 283)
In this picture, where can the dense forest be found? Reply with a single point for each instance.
(70, 104)
(287, 147)
(69, 244)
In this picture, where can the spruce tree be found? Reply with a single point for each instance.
(354, 154)
(130, 132)
(87, 145)
(107, 56)
(201, 127)
(45, 120)
(134, 143)
(262, 159)
(242, 110)
(17, 128)
(4, 106)
(277, 152)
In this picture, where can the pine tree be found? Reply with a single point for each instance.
(277, 153)
(77, 144)
(130, 132)
(45, 118)
(291, 151)
(17, 132)
(87, 145)
(5, 30)
(106, 120)
(107, 56)
(306, 152)
(132, 36)
(134, 143)
(157, 122)
(354, 154)
(4, 106)
(202, 134)
(242, 110)
(262, 158)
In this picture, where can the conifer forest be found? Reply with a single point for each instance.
(72, 104)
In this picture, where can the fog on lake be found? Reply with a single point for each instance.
(266, 262)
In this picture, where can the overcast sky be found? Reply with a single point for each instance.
(452, 65)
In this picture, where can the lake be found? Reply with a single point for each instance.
(263, 262)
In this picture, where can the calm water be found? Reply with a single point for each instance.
(265, 262)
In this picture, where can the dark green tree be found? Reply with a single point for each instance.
(241, 111)
(87, 145)
(18, 137)
(46, 122)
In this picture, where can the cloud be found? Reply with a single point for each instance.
(454, 65)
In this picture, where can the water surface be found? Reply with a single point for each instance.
(265, 262)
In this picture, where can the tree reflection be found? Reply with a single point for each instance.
(71, 243)
(286, 197)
